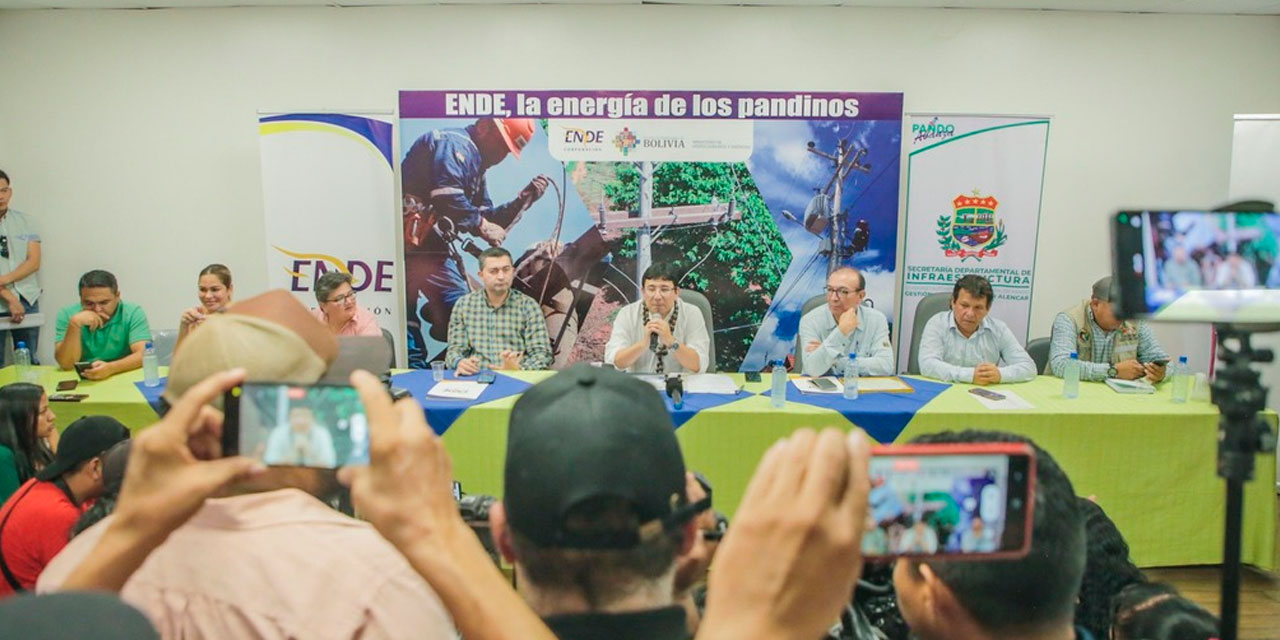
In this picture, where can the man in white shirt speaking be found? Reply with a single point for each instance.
(829, 334)
(659, 334)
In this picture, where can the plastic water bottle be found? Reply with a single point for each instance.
(778, 377)
(851, 377)
(1071, 377)
(1181, 380)
(150, 367)
(22, 360)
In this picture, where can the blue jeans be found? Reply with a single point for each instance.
(29, 335)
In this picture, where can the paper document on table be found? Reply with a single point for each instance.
(890, 384)
(457, 390)
(1010, 400)
(825, 384)
(659, 382)
(1130, 386)
(31, 320)
(716, 383)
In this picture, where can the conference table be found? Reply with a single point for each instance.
(1149, 462)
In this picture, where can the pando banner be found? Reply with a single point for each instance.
(328, 188)
(973, 206)
(751, 196)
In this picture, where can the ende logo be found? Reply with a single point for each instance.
(972, 230)
(307, 267)
(583, 136)
(932, 130)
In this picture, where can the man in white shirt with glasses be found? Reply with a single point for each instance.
(659, 334)
(829, 334)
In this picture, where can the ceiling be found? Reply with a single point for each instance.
(1253, 7)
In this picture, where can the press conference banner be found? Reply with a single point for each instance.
(737, 190)
(328, 188)
(973, 206)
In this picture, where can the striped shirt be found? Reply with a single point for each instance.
(1063, 342)
(478, 329)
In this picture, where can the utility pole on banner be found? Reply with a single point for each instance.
(649, 223)
(827, 208)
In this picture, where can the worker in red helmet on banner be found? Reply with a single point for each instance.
(447, 208)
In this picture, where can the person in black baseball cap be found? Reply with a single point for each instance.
(36, 521)
(595, 510)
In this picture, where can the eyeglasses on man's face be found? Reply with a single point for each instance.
(666, 291)
(342, 299)
(841, 292)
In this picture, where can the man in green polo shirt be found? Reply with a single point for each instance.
(102, 329)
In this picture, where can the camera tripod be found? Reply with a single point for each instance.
(1242, 434)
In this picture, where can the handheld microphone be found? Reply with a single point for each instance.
(653, 342)
(675, 390)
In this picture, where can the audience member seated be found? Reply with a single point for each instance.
(1030, 597)
(26, 428)
(36, 521)
(1107, 569)
(829, 334)
(497, 327)
(266, 558)
(659, 334)
(339, 310)
(19, 263)
(594, 520)
(967, 345)
(114, 462)
(215, 292)
(1155, 611)
(1106, 346)
(104, 330)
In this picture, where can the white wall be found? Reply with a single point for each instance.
(132, 135)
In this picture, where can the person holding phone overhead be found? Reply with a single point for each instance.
(102, 329)
(1107, 346)
(215, 291)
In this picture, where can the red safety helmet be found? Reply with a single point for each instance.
(516, 132)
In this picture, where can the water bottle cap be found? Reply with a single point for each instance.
(22, 345)
(853, 354)
(148, 345)
(780, 362)
(1075, 356)
(1182, 359)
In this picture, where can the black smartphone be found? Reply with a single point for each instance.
(825, 384)
(80, 368)
(950, 500)
(283, 424)
(752, 376)
(987, 393)
(68, 397)
(1197, 266)
(486, 377)
(68, 385)
(457, 490)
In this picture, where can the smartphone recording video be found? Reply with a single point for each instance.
(1198, 266)
(296, 425)
(961, 500)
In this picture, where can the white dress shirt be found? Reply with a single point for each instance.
(945, 354)
(870, 341)
(628, 328)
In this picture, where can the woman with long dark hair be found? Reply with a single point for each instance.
(26, 424)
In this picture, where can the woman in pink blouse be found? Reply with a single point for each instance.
(338, 309)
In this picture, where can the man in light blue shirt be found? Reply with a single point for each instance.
(965, 345)
(829, 334)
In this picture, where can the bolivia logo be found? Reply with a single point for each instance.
(625, 141)
(972, 231)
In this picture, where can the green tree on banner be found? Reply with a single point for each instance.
(738, 264)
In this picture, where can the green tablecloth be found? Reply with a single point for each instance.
(1150, 462)
(116, 396)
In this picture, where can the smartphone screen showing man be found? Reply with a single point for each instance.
(949, 500)
(293, 425)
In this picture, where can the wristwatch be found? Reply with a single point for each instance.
(675, 346)
(1112, 371)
